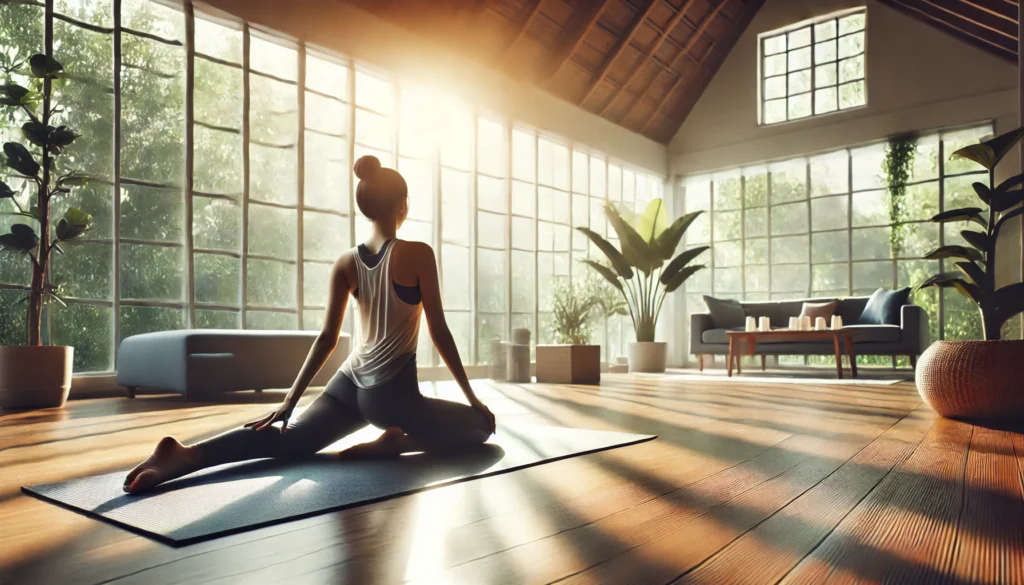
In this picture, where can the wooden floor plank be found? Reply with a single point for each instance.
(990, 535)
(904, 531)
(743, 473)
(775, 546)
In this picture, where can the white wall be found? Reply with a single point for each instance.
(918, 79)
(353, 32)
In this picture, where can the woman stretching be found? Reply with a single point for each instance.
(393, 282)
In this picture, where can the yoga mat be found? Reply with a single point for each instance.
(244, 496)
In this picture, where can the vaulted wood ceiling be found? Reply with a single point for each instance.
(640, 63)
(988, 24)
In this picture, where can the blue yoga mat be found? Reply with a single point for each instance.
(244, 496)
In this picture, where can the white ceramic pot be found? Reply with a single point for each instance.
(35, 377)
(647, 356)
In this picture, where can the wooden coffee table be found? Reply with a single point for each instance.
(745, 343)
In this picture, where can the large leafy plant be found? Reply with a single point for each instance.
(34, 166)
(976, 262)
(645, 267)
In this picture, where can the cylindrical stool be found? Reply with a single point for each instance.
(518, 362)
(496, 369)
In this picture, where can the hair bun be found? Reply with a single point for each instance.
(366, 166)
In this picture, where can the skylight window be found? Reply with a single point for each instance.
(814, 68)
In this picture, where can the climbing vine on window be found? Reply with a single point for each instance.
(899, 159)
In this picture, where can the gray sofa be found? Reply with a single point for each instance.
(203, 362)
(909, 338)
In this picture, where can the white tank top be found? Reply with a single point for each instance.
(388, 327)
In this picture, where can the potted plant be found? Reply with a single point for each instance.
(36, 375)
(975, 378)
(573, 360)
(645, 269)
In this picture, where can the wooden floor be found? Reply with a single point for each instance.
(748, 482)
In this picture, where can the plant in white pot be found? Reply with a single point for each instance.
(645, 270)
(574, 309)
(975, 378)
(35, 375)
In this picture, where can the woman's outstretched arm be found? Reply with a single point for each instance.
(322, 348)
(433, 308)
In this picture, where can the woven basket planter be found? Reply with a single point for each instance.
(973, 379)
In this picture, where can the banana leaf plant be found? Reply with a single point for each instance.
(645, 267)
(976, 262)
(34, 165)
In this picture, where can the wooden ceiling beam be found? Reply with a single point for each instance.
(647, 58)
(525, 25)
(974, 17)
(1004, 10)
(921, 12)
(580, 23)
(620, 46)
(677, 116)
(701, 28)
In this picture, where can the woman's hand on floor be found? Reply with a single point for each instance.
(480, 406)
(282, 414)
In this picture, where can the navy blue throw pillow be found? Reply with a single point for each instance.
(884, 307)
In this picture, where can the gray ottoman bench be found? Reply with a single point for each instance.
(198, 362)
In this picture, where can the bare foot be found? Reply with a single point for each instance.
(169, 460)
(392, 442)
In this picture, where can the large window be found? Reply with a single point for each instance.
(228, 209)
(813, 68)
(821, 226)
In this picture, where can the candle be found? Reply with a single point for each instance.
(751, 324)
(819, 324)
(765, 324)
(837, 322)
(805, 323)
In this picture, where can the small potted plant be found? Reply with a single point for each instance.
(575, 307)
(35, 375)
(976, 378)
(645, 269)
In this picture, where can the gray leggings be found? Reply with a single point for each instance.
(343, 409)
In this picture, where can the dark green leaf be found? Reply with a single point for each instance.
(43, 66)
(19, 159)
(680, 277)
(990, 152)
(619, 262)
(1009, 300)
(21, 238)
(62, 136)
(13, 91)
(976, 239)
(984, 193)
(954, 251)
(668, 241)
(1010, 183)
(964, 214)
(74, 223)
(953, 280)
(606, 272)
(5, 191)
(972, 271)
(1007, 200)
(1007, 217)
(680, 261)
(74, 179)
(35, 132)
